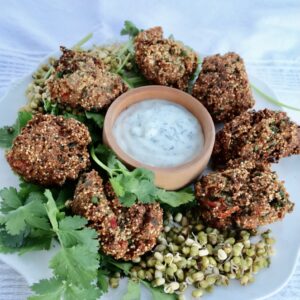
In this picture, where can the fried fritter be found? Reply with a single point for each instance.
(164, 61)
(50, 150)
(223, 86)
(125, 233)
(82, 81)
(264, 135)
(244, 195)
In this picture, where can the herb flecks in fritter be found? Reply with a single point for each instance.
(264, 135)
(125, 233)
(164, 61)
(244, 195)
(82, 81)
(50, 150)
(223, 86)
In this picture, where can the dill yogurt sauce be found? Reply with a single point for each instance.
(158, 133)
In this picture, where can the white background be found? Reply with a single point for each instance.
(265, 33)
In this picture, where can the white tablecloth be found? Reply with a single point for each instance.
(265, 33)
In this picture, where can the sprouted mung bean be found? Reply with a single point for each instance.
(190, 254)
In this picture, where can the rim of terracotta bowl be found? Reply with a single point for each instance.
(165, 93)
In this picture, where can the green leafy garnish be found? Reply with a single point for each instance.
(76, 264)
(137, 185)
(30, 220)
(24, 225)
(175, 199)
(8, 133)
(21, 213)
(102, 280)
(125, 267)
(56, 288)
(130, 29)
(96, 117)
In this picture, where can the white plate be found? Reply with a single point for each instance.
(34, 266)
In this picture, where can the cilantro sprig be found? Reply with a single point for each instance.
(138, 184)
(75, 266)
(31, 220)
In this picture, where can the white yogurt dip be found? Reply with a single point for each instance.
(158, 133)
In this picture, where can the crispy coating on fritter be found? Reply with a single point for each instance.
(50, 150)
(223, 86)
(164, 61)
(125, 233)
(264, 135)
(245, 195)
(82, 81)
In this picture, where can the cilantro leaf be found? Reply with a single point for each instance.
(133, 291)
(10, 200)
(129, 29)
(19, 215)
(76, 264)
(128, 199)
(11, 243)
(124, 266)
(95, 117)
(55, 288)
(9, 133)
(118, 187)
(73, 232)
(24, 222)
(28, 240)
(102, 281)
(23, 118)
(25, 188)
(62, 194)
(175, 199)
(37, 240)
(50, 289)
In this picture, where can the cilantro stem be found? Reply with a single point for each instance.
(83, 41)
(101, 164)
(271, 99)
(124, 48)
(124, 62)
(52, 212)
(127, 82)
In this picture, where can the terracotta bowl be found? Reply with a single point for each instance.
(169, 178)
